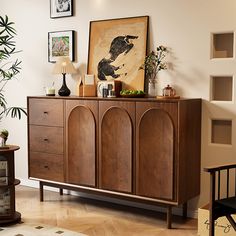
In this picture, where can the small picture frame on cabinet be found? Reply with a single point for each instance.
(61, 8)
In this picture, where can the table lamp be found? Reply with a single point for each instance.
(64, 66)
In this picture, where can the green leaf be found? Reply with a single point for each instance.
(8, 69)
(16, 112)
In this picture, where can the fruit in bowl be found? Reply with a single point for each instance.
(132, 93)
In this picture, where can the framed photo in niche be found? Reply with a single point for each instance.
(61, 8)
(60, 44)
(117, 48)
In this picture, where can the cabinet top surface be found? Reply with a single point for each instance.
(9, 148)
(148, 99)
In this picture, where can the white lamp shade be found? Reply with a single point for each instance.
(64, 66)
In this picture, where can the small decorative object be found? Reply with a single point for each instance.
(153, 63)
(3, 137)
(168, 91)
(117, 47)
(111, 94)
(61, 8)
(103, 88)
(64, 66)
(50, 91)
(89, 86)
(60, 44)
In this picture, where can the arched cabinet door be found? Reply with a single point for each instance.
(81, 142)
(155, 153)
(116, 146)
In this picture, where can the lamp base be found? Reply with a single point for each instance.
(64, 90)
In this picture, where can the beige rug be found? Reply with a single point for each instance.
(24, 229)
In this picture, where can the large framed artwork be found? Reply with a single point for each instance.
(117, 48)
(61, 8)
(60, 44)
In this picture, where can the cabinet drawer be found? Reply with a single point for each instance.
(45, 112)
(46, 166)
(46, 139)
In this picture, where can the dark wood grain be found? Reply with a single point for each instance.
(46, 139)
(81, 142)
(46, 166)
(156, 149)
(116, 146)
(155, 155)
(141, 149)
(45, 112)
(189, 161)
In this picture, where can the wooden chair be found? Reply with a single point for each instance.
(222, 204)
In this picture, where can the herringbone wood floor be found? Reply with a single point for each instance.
(96, 218)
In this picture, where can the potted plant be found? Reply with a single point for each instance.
(9, 68)
(153, 63)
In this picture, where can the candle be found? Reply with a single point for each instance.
(50, 91)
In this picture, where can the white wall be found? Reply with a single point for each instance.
(182, 25)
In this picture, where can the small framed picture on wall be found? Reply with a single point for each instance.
(61, 8)
(60, 44)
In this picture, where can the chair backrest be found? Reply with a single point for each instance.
(223, 181)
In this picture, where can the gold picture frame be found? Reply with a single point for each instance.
(117, 48)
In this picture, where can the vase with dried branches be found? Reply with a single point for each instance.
(153, 63)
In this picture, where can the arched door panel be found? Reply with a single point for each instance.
(81, 128)
(156, 155)
(116, 150)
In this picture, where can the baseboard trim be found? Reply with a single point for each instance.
(176, 210)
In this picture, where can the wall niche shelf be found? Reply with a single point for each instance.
(221, 131)
(222, 45)
(222, 88)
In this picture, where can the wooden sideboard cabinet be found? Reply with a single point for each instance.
(145, 150)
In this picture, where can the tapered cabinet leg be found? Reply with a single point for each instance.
(41, 191)
(169, 217)
(61, 191)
